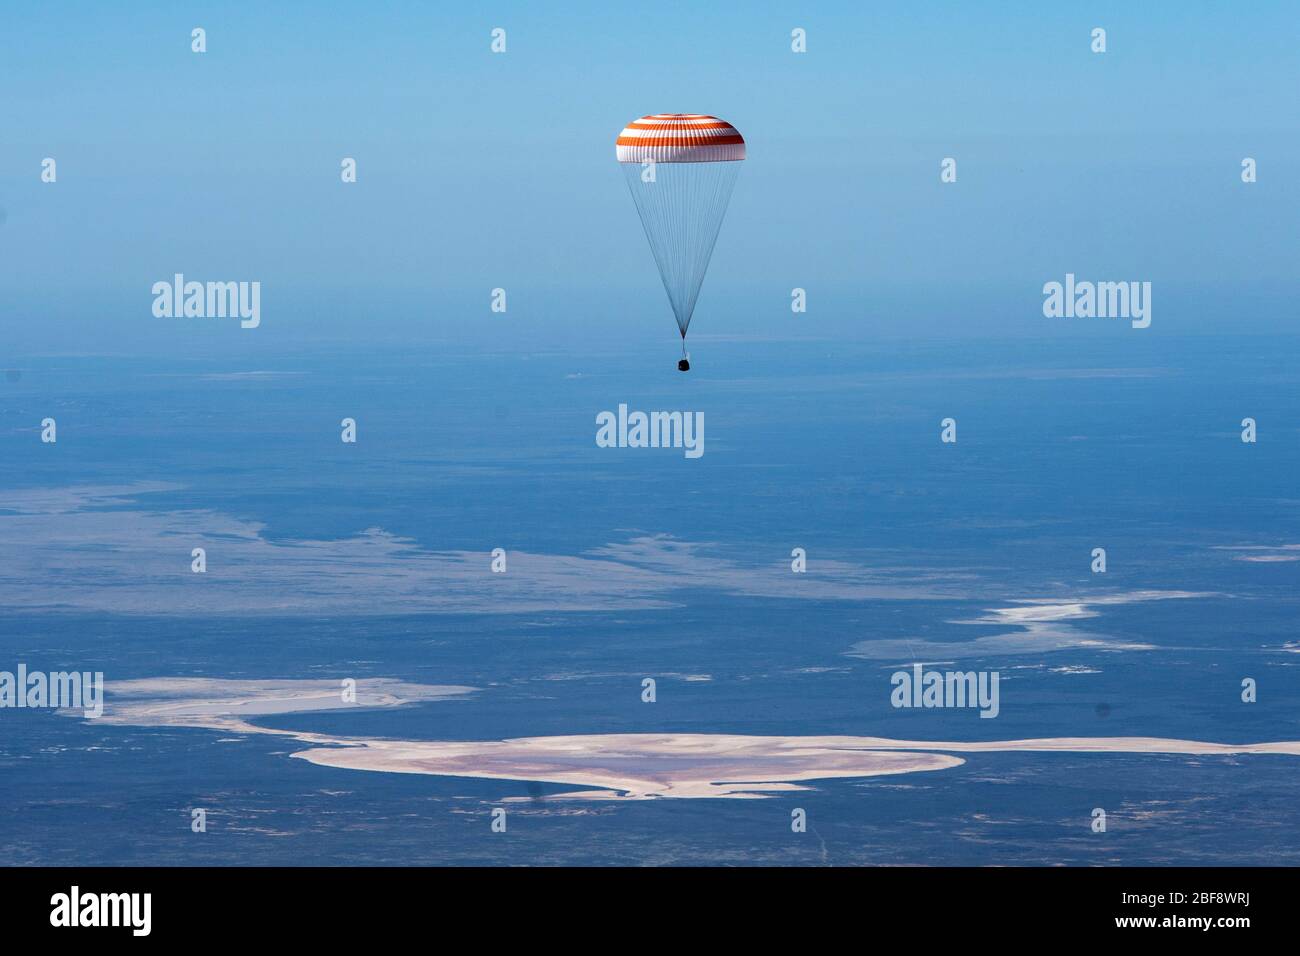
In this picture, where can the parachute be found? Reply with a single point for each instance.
(680, 169)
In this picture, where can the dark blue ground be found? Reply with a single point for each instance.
(1128, 443)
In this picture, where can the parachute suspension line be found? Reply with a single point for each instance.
(682, 212)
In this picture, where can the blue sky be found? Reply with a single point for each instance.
(478, 171)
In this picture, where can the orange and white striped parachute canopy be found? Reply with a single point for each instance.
(679, 138)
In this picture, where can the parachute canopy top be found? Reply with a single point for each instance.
(679, 138)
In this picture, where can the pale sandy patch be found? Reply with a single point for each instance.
(606, 766)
